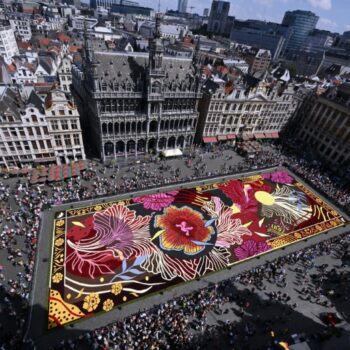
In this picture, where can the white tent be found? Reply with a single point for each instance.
(172, 153)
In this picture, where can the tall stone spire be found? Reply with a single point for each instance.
(195, 58)
(88, 51)
(156, 48)
(158, 33)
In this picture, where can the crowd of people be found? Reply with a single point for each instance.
(21, 206)
(182, 323)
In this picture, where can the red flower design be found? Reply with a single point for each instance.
(76, 233)
(184, 230)
(242, 194)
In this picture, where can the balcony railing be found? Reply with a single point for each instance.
(117, 94)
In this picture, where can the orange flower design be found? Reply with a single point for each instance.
(184, 230)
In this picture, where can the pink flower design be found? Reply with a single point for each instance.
(120, 228)
(250, 248)
(157, 201)
(279, 176)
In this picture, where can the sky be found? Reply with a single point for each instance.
(334, 14)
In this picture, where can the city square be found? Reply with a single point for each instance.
(174, 175)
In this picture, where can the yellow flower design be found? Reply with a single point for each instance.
(116, 288)
(108, 305)
(60, 223)
(59, 242)
(98, 207)
(91, 302)
(57, 278)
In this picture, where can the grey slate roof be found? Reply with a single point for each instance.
(119, 66)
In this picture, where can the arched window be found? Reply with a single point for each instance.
(108, 148)
(153, 126)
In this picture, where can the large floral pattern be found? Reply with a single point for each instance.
(114, 252)
(184, 230)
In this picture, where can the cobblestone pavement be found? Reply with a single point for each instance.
(305, 317)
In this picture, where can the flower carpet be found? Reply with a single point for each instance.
(111, 253)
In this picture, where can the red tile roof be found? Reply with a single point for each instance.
(74, 48)
(23, 45)
(44, 41)
(64, 38)
(12, 68)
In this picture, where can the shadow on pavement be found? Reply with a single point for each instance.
(263, 324)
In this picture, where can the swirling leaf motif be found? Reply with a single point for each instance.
(130, 270)
(94, 262)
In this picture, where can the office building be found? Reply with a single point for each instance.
(182, 6)
(262, 35)
(302, 23)
(125, 9)
(272, 42)
(107, 4)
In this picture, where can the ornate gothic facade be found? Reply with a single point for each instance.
(136, 102)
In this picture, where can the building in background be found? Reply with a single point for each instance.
(334, 61)
(137, 103)
(323, 125)
(75, 3)
(107, 4)
(182, 6)
(8, 44)
(169, 31)
(21, 24)
(302, 23)
(206, 13)
(218, 16)
(318, 41)
(79, 22)
(125, 9)
(259, 60)
(262, 35)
